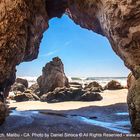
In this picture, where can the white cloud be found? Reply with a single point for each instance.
(67, 43)
(49, 53)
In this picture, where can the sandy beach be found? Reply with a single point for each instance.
(106, 119)
(109, 97)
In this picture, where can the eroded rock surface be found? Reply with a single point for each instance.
(19, 85)
(22, 81)
(22, 24)
(119, 21)
(70, 94)
(35, 89)
(94, 87)
(53, 76)
(113, 85)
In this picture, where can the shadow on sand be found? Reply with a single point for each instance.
(93, 119)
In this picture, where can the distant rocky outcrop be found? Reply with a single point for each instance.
(70, 94)
(22, 81)
(53, 76)
(113, 85)
(19, 85)
(27, 95)
(22, 92)
(35, 89)
(94, 87)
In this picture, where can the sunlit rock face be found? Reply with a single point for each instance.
(119, 21)
(53, 76)
(22, 23)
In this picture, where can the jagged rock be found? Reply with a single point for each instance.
(33, 94)
(22, 81)
(70, 94)
(18, 87)
(94, 87)
(113, 85)
(60, 95)
(35, 89)
(27, 95)
(91, 96)
(24, 97)
(22, 24)
(53, 76)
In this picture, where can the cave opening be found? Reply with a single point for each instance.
(87, 57)
(83, 52)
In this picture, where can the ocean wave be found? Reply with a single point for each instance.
(85, 80)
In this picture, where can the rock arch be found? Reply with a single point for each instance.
(22, 23)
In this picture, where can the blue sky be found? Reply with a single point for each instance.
(83, 52)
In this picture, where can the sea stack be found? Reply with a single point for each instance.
(53, 76)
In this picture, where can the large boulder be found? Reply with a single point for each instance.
(113, 85)
(18, 87)
(22, 81)
(34, 95)
(91, 96)
(35, 89)
(70, 94)
(25, 96)
(61, 94)
(53, 76)
(94, 87)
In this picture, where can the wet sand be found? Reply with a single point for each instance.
(107, 119)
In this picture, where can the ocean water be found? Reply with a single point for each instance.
(86, 80)
(101, 80)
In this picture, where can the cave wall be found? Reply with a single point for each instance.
(22, 23)
(119, 21)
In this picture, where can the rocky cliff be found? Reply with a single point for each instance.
(119, 21)
(22, 23)
(53, 76)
